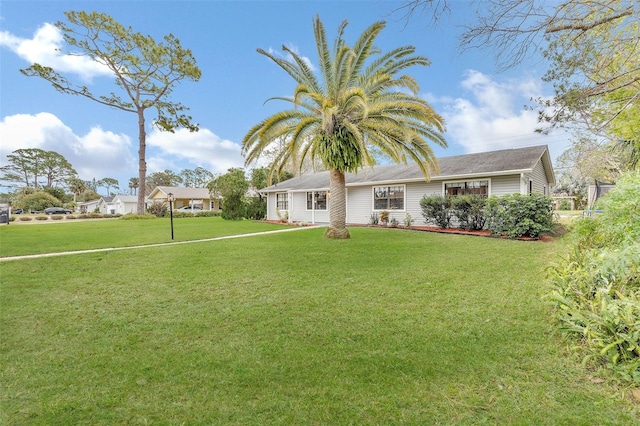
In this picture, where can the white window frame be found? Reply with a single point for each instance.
(314, 204)
(404, 198)
(444, 184)
(286, 200)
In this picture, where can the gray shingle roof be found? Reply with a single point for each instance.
(505, 161)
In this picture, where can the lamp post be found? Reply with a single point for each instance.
(170, 195)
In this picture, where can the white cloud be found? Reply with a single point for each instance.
(491, 115)
(97, 154)
(45, 49)
(202, 148)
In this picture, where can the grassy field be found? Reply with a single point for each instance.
(67, 235)
(390, 327)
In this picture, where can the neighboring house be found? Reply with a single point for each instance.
(185, 197)
(125, 204)
(89, 206)
(105, 205)
(399, 188)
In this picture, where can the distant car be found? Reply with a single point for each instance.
(56, 210)
(189, 208)
(18, 211)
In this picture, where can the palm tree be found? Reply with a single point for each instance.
(361, 105)
(133, 185)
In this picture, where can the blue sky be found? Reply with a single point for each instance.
(484, 110)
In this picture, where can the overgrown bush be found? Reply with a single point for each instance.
(469, 211)
(38, 201)
(158, 209)
(436, 209)
(518, 215)
(256, 208)
(595, 289)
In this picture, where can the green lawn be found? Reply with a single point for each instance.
(68, 235)
(390, 327)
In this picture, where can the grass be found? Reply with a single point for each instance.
(36, 238)
(390, 327)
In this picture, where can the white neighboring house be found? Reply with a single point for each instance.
(399, 188)
(125, 204)
(88, 206)
(105, 205)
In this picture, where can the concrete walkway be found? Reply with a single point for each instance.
(173, 243)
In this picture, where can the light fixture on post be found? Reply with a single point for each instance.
(170, 198)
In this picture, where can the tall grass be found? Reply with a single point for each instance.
(390, 327)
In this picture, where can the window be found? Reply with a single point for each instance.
(388, 197)
(471, 187)
(282, 201)
(317, 200)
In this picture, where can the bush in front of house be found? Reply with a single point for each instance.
(595, 288)
(158, 209)
(514, 215)
(436, 210)
(518, 215)
(469, 211)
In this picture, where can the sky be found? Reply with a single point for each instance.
(484, 109)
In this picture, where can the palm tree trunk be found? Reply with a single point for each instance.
(337, 206)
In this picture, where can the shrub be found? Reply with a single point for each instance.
(25, 218)
(256, 208)
(71, 217)
(57, 217)
(12, 218)
(133, 216)
(436, 209)
(384, 217)
(518, 215)
(207, 213)
(564, 204)
(595, 289)
(469, 211)
(38, 201)
(42, 217)
(94, 215)
(373, 219)
(408, 220)
(158, 209)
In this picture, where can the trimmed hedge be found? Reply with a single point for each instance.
(514, 215)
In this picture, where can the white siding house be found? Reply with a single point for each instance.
(399, 188)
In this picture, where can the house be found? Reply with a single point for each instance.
(399, 188)
(125, 204)
(105, 205)
(89, 206)
(185, 197)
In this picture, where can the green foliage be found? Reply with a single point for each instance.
(232, 187)
(56, 192)
(38, 201)
(408, 220)
(518, 215)
(256, 208)
(469, 211)
(158, 209)
(564, 204)
(363, 105)
(133, 216)
(42, 217)
(27, 166)
(88, 195)
(595, 289)
(436, 209)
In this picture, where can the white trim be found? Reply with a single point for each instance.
(286, 199)
(404, 198)
(467, 180)
(313, 205)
